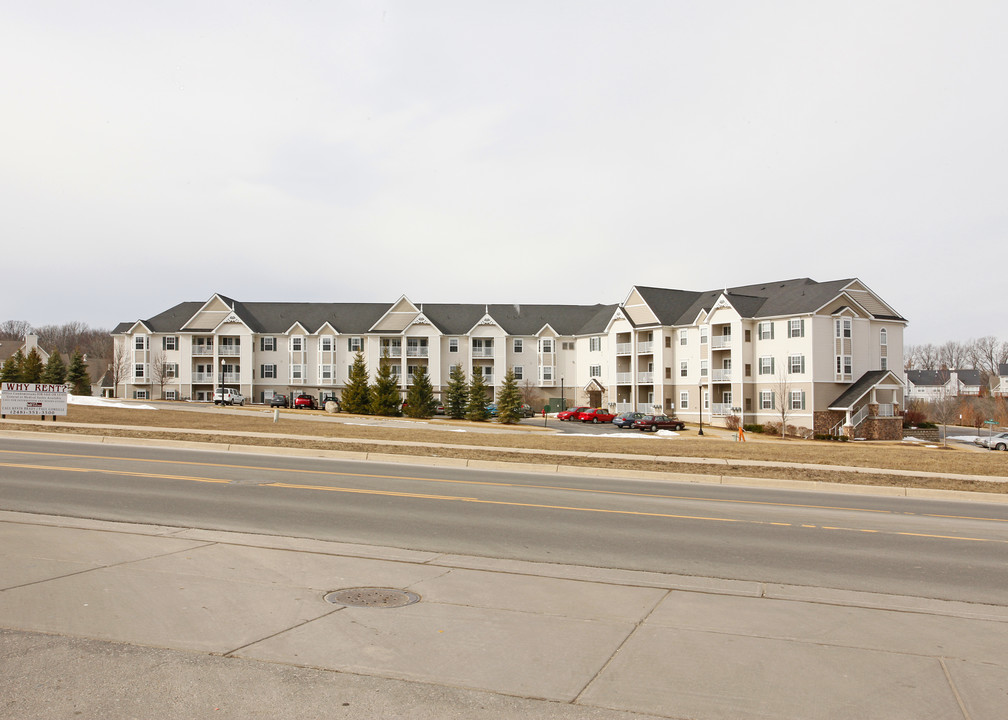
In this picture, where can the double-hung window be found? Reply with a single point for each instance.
(764, 331)
(797, 399)
(355, 344)
(766, 366)
(453, 345)
(796, 328)
(684, 400)
(796, 364)
(595, 344)
(170, 342)
(595, 371)
(267, 344)
(519, 372)
(766, 398)
(326, 343)
(297, 343)
(683, 368)
(682, 336)
(268, 372)
(517, 345)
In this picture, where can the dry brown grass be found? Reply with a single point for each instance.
(493, 442)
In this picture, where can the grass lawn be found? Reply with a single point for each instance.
(493, 442)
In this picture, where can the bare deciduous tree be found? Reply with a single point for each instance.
(14, 329)
(782, 397)
(945, 410)
(120, 365)
(162, 372)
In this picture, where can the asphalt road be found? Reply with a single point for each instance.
(930, 549)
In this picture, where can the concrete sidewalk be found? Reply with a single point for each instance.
(189, 623)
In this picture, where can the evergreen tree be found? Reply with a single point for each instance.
(32, 369)
(55, 370)
(509, 400)
(420, 396)
(11, 371)
(456, 394)
(77, 375)
(356, 395)
(476, 406)
(385, 392)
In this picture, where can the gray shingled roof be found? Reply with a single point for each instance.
(970, 377)
(927, 378)
(858, 390)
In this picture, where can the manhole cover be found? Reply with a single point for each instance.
(372, 597)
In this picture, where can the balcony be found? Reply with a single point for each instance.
(721, 409)
(482, 352)
(203, 350)
(203, 377)
(229, 350)
(421, 352)
(721, 376)
(645, 378)
(721, 342)
(392, 351)
(624, 349)
(645, 348)
(624, 378)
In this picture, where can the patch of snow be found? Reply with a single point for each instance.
(667, 433)
(105, 402)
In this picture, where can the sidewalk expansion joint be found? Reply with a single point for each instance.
(230, 653)
(955, 690)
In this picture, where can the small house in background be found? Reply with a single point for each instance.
(929, 385)
(969, 382)
(999, 385)
(8, 348)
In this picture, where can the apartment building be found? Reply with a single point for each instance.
(832, 351)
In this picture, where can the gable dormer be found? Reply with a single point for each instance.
(397, 318)
(637, 309)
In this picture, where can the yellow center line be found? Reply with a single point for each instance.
(454, 498)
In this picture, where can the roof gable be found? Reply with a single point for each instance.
(398, 317)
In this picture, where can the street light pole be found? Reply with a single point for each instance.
(700, 407)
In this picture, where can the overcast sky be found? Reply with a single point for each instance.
(501, 152)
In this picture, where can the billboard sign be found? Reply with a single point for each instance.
(33, 399)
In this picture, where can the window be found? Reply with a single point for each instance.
(595, 371)
(595, 344)
(682, 337)
(355, 344)
(517, 345)
(843, 365)
(567, 345)
(267, 344)
(883, 337)
(396, 370)
(325, 372)
(797, 399)
(766, 366)
(796, 328)
(519, 372)
(703, 368)
(297, 372)
(668, 344)
(766, 400)
(547, 372)
(885, 363)
(546, 345)
(683, 368)
(170, 342)
(668, 373)
(748, 370)
(796, 363)
(326, 344)
(684, 400)
(843, 327)
(141, 342)
(297, 343)
(140, 395)
(703, 334)
(171, 395)
(138, 370)
(171, 370)
(748, 335)
(267, 372)
(764, 331)
(453, 345)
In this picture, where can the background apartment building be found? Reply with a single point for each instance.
(833, 352)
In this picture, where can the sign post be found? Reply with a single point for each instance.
(33, 399)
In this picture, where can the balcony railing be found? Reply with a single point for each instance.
(645, 378)
(886, 410)
(624, 349)
(421, 352)
(719, 342)
(203, 377)
(203, 350)
(624, 378)
(482, 352)
(229, 350)
(645, 347)
(721, 409)
(721, 376)
(622, 407)
(392, 351)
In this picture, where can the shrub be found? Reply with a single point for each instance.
(753, 427)
(732, 422)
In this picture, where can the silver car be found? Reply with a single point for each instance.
(228, 397)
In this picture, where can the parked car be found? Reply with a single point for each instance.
(999, 441)
(491, 409)
(572, 413)
(525, 411)
(596, 415)
(305, 401)
(228, 397)
(279, 400)
(439, 407)
(658, 422)
(626, 419)
(329, 397)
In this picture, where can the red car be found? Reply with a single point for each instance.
(305, 401)
(571, 414)
(596, 415)
(658, 422)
